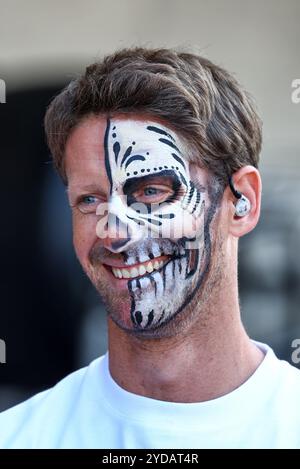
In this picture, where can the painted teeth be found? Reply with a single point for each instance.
(136, 271)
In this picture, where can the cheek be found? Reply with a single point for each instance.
(84, 235)
(183, 225)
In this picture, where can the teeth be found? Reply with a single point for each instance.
(125, 273)
(134, 272)
(138, 270)
(142, 270)
(118, 273)
(149, 267)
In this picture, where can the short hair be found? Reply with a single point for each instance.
(201, 101)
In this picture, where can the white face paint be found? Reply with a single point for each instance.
(137, 153)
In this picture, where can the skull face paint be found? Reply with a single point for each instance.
(140, 156)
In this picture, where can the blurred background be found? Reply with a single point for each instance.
(51, 319)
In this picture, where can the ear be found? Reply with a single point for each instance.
(246, 180)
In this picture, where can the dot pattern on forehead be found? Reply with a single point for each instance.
(142, 170)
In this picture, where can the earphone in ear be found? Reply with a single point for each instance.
(243, 205)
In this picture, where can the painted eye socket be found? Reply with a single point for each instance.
(153, 193)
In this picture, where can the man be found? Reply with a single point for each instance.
(159, 151)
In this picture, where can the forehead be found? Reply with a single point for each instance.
(130, 144)
(141, 133)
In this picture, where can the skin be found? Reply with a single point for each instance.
(202, 353)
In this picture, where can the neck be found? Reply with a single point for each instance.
(210, 359)
(193, 368)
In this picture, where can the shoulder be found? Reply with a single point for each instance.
(21, 425)
(289, 384)
(282, 377)
(283, 408)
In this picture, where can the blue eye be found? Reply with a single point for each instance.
(88, 204)
(88, 199)
(150, 191)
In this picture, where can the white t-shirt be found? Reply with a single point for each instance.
(87, 409)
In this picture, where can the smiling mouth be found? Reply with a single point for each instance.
(156, 264)
(139, 270)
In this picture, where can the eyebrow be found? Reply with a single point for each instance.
(86, 188)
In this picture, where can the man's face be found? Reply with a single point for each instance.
(141, 218)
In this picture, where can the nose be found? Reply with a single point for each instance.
(118, 234)
(114, 233)
(116, 230)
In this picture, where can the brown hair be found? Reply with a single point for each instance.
(199, 100)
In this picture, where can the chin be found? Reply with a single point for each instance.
(180, 318)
